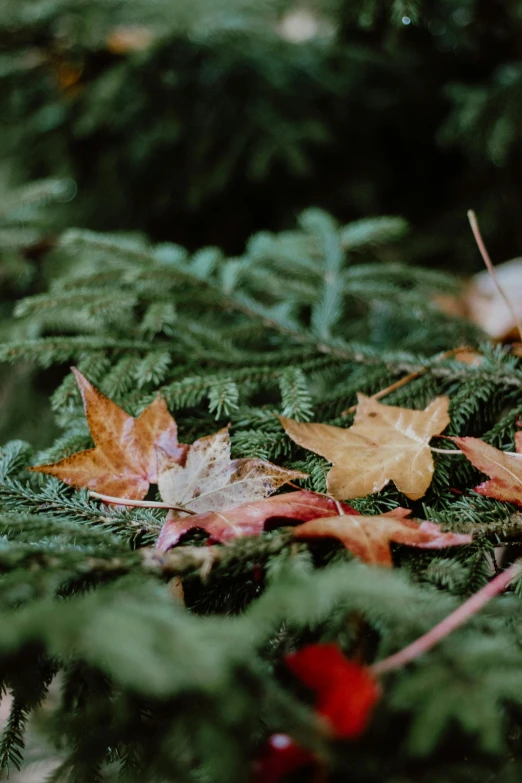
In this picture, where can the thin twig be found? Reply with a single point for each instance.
(407, 378)
(138, 503)
(388, 389)
(491, 269)
(450, 623)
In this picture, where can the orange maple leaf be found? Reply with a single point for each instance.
(504, 468)
(369, 538)
(124, 460)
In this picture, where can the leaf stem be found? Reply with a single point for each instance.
(450, 623)
(138, 503)
(491, 269)
(446, 451)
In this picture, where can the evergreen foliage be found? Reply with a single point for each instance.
(28, 216)
(149, 687)
(183, 138)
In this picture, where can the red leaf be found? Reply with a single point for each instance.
(346, 691)
(249, 519)
(280, 756)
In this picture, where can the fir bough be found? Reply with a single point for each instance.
(150, 688)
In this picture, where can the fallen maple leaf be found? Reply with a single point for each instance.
(124, 460)
(249, 519)
(346, 692)
(369, 538)
(211, 481)
(504, 468)
(385, 443)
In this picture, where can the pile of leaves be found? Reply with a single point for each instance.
(204, 488)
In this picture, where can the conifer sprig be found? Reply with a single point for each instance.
(221, 343)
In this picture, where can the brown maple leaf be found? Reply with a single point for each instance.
(124, 460)
(384, 444)
(369, 538)
(504, 468)
(250, 519)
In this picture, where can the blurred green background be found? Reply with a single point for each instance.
(202, 121)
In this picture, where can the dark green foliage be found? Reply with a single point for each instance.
(400, 106)
(171, 158)
(28, 215)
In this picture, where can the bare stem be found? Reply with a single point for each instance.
(407, 378)
(491, 269)
(446, 451)
(450, 623)
(138, 503)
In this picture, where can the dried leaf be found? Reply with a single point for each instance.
(481, 302)
(450, 304)
(505, 469)
(124, 461)
(249, 519)
(346, 692)
(384, 444)
(210, 481)
(369, 538)
(486, 307)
